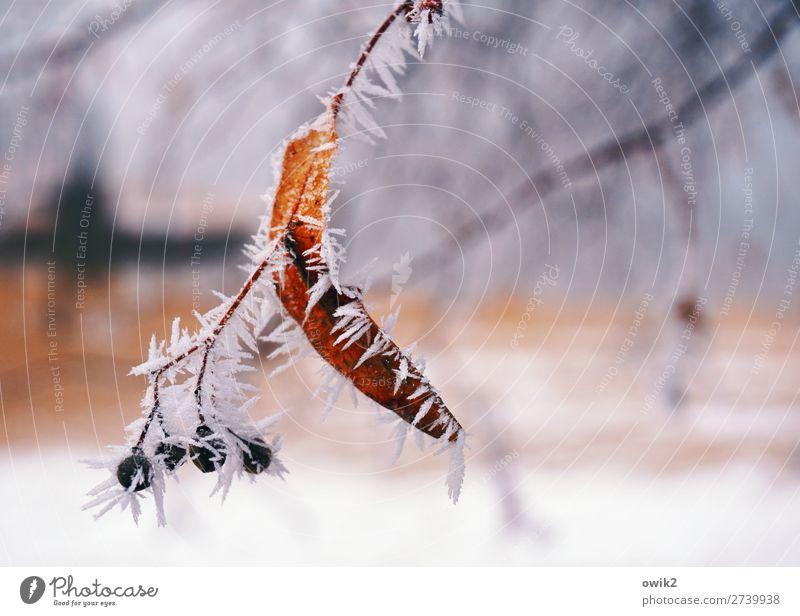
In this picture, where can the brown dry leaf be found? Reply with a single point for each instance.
(367, 357)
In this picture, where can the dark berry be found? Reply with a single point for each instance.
(172, 455)
(209, 454)
(136, 467)
(256, 456)
(435, 7)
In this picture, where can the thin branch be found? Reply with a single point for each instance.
(401, 9)
(156, 410)
(206, 343)
(198, 389)
(209, 341)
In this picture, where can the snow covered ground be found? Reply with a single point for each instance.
(341, 516)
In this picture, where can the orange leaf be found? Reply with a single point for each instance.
(385, 374)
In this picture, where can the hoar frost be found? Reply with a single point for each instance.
(197, 405)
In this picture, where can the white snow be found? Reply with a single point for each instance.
(340, 513)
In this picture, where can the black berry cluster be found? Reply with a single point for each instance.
(208, 452)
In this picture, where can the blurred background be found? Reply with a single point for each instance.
(588, 212)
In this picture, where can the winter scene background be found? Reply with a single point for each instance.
(585, 212)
